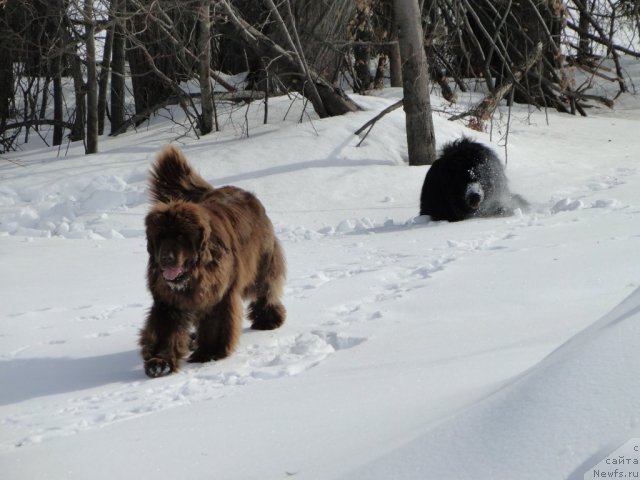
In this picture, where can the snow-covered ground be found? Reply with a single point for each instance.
(485, 349)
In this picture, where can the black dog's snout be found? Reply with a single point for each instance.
(474, 199)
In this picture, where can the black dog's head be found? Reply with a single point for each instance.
(478, 175)
(472, 186)
(467, 180)
(473, 193)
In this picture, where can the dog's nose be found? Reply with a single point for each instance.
(167, 258)
(474, 195)
(474, 199)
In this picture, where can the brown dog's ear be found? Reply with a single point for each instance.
(150, 247)
(152, 223)
(204, 241)
(152, 220)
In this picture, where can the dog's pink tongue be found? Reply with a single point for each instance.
(171, 273)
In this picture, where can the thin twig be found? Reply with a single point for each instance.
(387, 110)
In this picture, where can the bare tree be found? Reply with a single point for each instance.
(204, 47)
(118, 63)
(105, 69)
(6, 68)
(415, 84)
(153, 61)
(287, 64)
(363, 36)
(80, 113)
(92, 78)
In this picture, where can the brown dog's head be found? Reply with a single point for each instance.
(177, 241)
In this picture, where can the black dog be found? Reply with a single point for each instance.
(467, 180)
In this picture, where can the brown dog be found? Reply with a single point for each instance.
(209, 248)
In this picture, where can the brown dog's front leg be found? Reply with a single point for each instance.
(218, 330)
(164, 340)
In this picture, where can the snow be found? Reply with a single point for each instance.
(486, 349)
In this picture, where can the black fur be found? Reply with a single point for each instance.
(467, 180)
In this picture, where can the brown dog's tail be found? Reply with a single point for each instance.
(172, 178)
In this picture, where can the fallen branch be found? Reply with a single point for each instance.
(238, 96)
(373, 121)
(602, 41)
(484, 110)
(138, 118)
(575, 95)
(591, 69)
(35, 123)
(384, 112)
(614, 53)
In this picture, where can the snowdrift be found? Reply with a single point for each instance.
(554, 421)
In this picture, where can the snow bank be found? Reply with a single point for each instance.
(568, 408)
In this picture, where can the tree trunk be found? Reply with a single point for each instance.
(58, 115)
(362, 35)
(92, 80)
(204, 49)
(584, 45)
(58, 63)
(77, 133)
(6, 73)
(395, 65)
(415, 84)
(146, 53)
(117, 69)
(103, 79)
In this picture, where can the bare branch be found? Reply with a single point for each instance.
(484, 110)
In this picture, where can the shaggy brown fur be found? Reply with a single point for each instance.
(209, 248)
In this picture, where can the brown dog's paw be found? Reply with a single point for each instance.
(158, 367)
(266, 316)
(199, 356)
